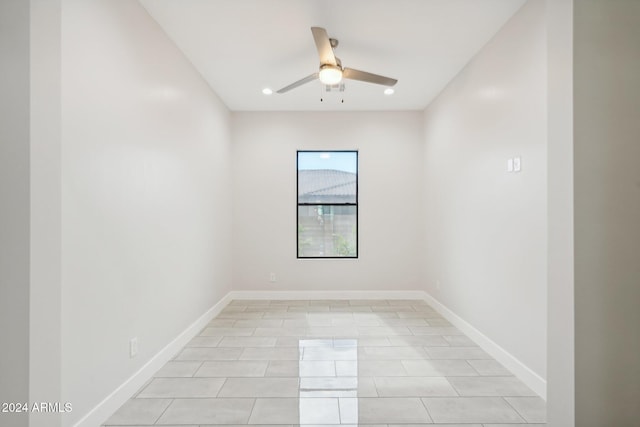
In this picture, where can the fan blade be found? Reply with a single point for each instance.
(363, 76)
(324, 46)
(298, 83)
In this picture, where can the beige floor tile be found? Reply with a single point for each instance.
(346, 368)
(283, 368)
(204, 342)
(248, 342)
(508, 425)
(362, 342)
(438, 368)
(383, 330)
(381, 315)
(201, 353)
(150, 425)
(373, 363)
(392, 410)
(250, 302)
(532, 409)
(227, 332)
(276, 411)
(435, 330)
(319, 411)
(332, 331)
(438, 321)
(207, 411)
(356, 322)
(489, 367)
(440, 425)
(437, 425)
(392, 353)
(317, 368)
(468, 353)
(314, 309)
(415, 315)
(382, 368)
(284, 315)
(327, 383)
(260, 387)
(459, 341)
(367, 387)
(413, 387)
(178, 369)
(348, 410)
(139, 411)
(232, 368)
(276, 353)
(471, 410)
(280, 332)
(316, 342)
(421, 340)
(221, 323)
(351, 309)
(233, 308)
(404, 322)
(247, 314)
(395, 309)
(490, 386)
(303, 323)
(258, 323)
(330, 353)
(182, 387)
(369, 302)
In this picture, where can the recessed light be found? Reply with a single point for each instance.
(388, 91)
(267, 91)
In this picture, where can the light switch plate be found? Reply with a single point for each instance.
(510, 165)
(517, 165)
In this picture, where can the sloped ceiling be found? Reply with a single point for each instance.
(243, 46)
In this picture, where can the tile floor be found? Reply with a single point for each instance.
(374, 363)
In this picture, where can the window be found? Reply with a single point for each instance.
(327, 204)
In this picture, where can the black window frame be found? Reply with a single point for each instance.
(298, 204)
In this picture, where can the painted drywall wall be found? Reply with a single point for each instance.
(560, 288)
(45, 288)
(607, 209)
(264, 200)
(486, 228)
(145, 196)
(14, 211)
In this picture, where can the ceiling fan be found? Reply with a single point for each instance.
(331, 71)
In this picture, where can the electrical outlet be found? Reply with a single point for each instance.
(272, 277)
(133, 347)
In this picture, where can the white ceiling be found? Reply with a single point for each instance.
(243, 46)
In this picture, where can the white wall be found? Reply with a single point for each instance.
(560, 286)
(45, 288)
(607, 212)
(145, 196)
(14, 207)
(264, 200)
(486, 228)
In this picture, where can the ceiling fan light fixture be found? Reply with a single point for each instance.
(330, 74)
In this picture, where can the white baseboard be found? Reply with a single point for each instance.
(534, 381)
(99, 414)
(325, 295)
